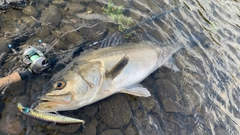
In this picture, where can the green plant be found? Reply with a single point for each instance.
(116, 13)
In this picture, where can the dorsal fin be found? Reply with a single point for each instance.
(118, 67)
(113, 40)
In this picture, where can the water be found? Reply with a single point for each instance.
(201, 98)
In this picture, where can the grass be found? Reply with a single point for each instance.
(116, 13)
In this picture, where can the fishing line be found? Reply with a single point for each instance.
(87, 45)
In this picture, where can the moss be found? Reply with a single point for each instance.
(116, 13)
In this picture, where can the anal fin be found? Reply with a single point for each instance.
(136, 90)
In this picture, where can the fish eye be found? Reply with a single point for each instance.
(59, 85)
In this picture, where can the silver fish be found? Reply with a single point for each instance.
(101, 73)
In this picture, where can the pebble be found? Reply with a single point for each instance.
(90, 129)
(51, 15)
(91, 110)
(130, 130)
(71, 36)
(67, 129)
(11, 125)
(169, 95)
(115, 111)
(112, 132)
(58, 2)
(148, 103)
(141, 5)
(16, 88)
(43, 31)
(134, 104)
(94, 32)
(74, 7)
(31, 11)
(23, 99)
(123, 3)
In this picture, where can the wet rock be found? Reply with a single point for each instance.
(2, 57)
(220, 131)
(49, 39)
(59, 45)
(141, 5)
(115, 111)
(70, 35)
(40, 6)
(159, 75)
(74, 7)
(94, 122)
(4, 44)
(112, 132)
(76, 1)
(90, 129)
(95, 32)
(23, 99)
(148, 103)
(57, 33)
(91, 110)
(139, 113)
(64, 128)
(101, 126)
(134, 105)
(43, 31)
(191, 99)
(101, 17)
(11, 125)
(130, 131)
(150, 125)
(169, 96)
(51, 15)
(87, 1)
(30, 22)
(45, 2)
(199, 130)
(16, 88)
(123, 3)
(58, 2)
(2, 106)
(29, 10)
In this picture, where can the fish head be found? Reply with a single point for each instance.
(74, 90)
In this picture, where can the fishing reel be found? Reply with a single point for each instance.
(35, 60)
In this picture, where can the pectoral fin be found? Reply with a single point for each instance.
(118, 67)
(136, 90)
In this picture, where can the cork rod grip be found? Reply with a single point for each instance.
(12, 78)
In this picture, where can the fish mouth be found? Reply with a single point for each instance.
(47, 106)
(52, 103)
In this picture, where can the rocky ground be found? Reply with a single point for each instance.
(173, 108)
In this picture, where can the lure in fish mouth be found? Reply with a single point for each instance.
(98, 74)
(49, 117)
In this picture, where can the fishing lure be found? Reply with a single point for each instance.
(49, 117)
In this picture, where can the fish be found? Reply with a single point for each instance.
(98, 74)
(49, 117)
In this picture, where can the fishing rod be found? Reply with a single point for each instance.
(36, 61)
(84, 45)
